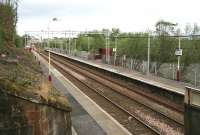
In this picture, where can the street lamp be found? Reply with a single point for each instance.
(49, 77)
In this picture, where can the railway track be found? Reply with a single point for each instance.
(148, 120)
(163, 106)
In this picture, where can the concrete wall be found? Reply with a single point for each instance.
(24, 117)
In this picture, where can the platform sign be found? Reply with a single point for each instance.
(114, 49)
(178, 52)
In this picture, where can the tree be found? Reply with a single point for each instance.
(8, 20)
(164, 29)
(188, 29)
(196, 29)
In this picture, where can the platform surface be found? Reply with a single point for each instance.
(87, 117)
(166, 84)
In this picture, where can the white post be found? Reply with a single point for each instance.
(156, 69)
(61, 45)
(131, 63)
(143, 67)
(106, 48)
(75, 44)
(69, 42)
(122, 60)
(65, 43)
(149, 43)
(115, 51)
(178, 66)
(72, 48)
(55, 43)
(88, 38)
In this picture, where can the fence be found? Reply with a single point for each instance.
(144, 54)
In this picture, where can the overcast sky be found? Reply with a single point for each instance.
(128, 15)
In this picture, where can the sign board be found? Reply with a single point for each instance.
(178, 52)
(114, 49)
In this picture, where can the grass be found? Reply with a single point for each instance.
(19, 69)
(21, 73)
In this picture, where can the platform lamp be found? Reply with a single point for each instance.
(49, 77)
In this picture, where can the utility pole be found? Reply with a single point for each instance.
(69, 42)
(108, 49)
(88, 43)
(65, 42)
(75, 44)
(62, 45)
(149, 43)
(179, 57)
(115, 50)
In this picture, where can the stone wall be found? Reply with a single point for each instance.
(19, 116)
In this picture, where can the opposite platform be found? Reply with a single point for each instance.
(165, 84)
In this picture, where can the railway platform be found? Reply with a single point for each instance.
(166, 84)
(87, 117)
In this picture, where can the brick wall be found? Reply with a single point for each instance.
(24, 117)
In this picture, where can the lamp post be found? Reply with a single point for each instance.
(49, 77)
